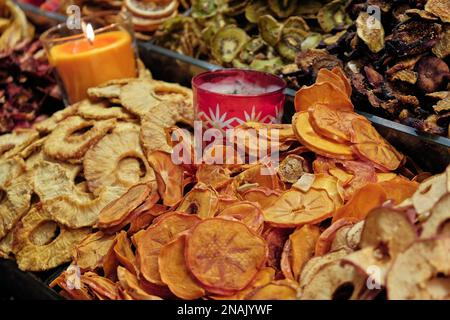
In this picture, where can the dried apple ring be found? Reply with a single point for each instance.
(224, 255)
(371, 146)
(296, 208)
(322, 93)
(36, 252)
(331, 123)
(201, 200)
(70, 140)
(174, 271)
(169, 177)
(149, 242)
(310, 139)
(247, 213)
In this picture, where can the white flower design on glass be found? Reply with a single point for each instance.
(217, 120)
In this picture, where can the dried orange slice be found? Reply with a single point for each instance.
(246, 212)
(296, 208)
(224, 255)
(310, 139)
(371, 146)
(149, 242)
(174, 272)
(325, 75)
(168, 176)
(201, 200)
(322, 93)
(263, 196)
(362, 202)
(348, 87)
(331, 123)
(303, 242)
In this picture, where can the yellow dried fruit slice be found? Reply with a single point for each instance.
(130, 283)
(201, 200)
(90, 253)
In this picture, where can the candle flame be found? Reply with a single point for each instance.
(88, 31)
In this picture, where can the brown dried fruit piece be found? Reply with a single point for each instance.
(439, 8)
(292, 168)
(432, 73)
(117, 160)
(149, 242)
(174, 271)
(421, 271)
(201, 200)
(91, 251)
(224, 256)
(70, 140)
(101, 287)
(169, 177)
(48, 253)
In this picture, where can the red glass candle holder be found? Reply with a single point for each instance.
(224, 99)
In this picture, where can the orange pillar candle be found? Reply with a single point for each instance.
(82, 64)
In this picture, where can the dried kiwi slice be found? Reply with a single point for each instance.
(228, 42)
(312, 41)
(269, 29)
(251, 49)
(283, 8)
(204, 8)
(269, 65)
(296, 23)
(255, 10)
(235, 7)
(290, 43)
(333, 15)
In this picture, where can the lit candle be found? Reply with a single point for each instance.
(92, 60)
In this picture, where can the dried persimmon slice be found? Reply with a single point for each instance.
(303, 242)
(340, 73)
(169, 177)
(174, 272)
(201, 200)
(124, 253)
(332, 186)
(325, 75)
(399, 189)
(149, 242)
(322, 93)
(332, 124)
(296, 208)
(322, 146)
(224, 255)
(285, 262)
(247, 213)
(263, 196)
(130, 284)
(276, 290)
(371, 146)
(275, 239)
(215, 176)
(256, 177)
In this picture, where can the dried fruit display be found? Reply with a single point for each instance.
(85, 167)
(178, 234)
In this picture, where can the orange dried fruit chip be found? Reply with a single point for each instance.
(263, 196)
(118, 210)
(340, 73)
(310, 139)
(169, 177)
(331, 123)
(285, 262)
(246, 212)
(174, 271)
(275, 239)
(371, 146)
(276, 290)
(201, 200)
(255, 177)
(145, 218)
(124, 253)
(322, 93)
(362, 202)
(303, 242)
(332, 186)
(149, 242)
(295, 208)
(399, 189)
(130, 284)
(212, 175)
(325, 75)
(224, 255)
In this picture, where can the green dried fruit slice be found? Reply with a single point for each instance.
(269, 29)
(255, 10)
(228, 42)
(283, 8)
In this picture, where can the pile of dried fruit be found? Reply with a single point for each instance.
(14, 27)
(221, 231)
(57, 177)
(27, 87)
(262, 35)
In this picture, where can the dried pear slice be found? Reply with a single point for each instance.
(283, 8)
(15, 203)
(296, 208)
(306, 135)
(224, 255)
(66, 143)
(175, 273)
(47, 254)
(64, 202)
(138, 97)
(101, 111)
(91, 251)
(371, 31)
(269, 29)
(228, 42)
(429, 192)
(117, 160)
(201, 200)
(12, 143)
(334, 281)
(440, 216)
(421, 271)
